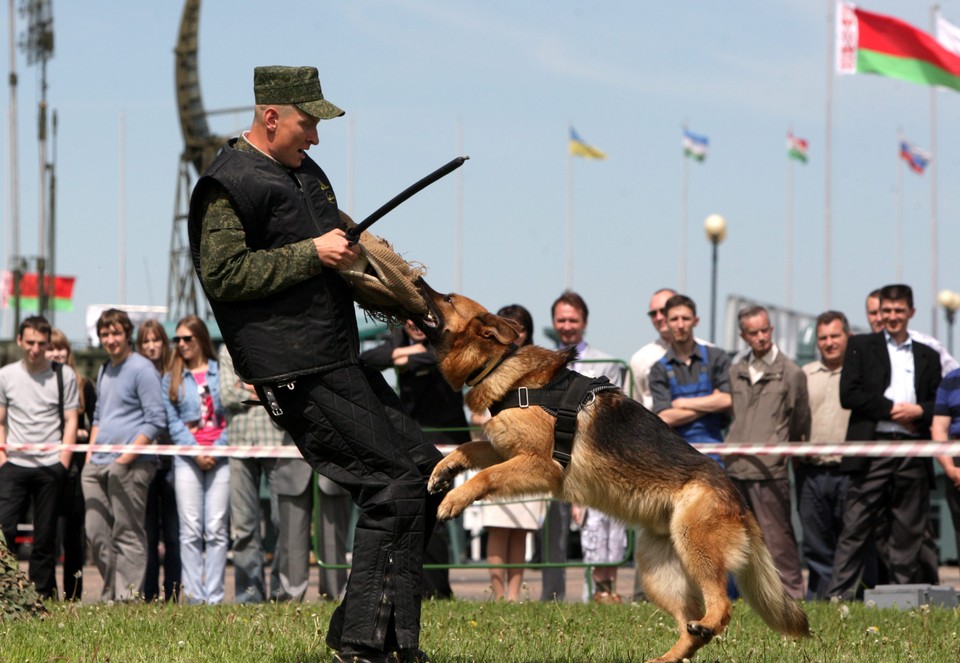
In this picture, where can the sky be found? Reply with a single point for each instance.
(502, 82)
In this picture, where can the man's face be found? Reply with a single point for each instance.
(294, 134)
(895, 314)
(34, 345)
(569, 324)
(114, 341)
(832, 343)
(758, 334)
(680, 322)
(873, 314)
(658, 315)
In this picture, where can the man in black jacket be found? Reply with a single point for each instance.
(889, 384)
(267, 237)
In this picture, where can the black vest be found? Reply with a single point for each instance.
(308, 327)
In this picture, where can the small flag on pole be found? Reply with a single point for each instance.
(916, 158)
(796, 148)
(579, 148)
(695, 145)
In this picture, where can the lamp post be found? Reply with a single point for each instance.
(950, 301)
(716, 228)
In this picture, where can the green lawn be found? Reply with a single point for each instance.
(465, 631)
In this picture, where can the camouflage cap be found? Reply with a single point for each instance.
(299, 86)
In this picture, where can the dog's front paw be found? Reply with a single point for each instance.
(438, 484)
(452, 505)
(442, 479)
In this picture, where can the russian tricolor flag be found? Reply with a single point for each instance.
(916, 158)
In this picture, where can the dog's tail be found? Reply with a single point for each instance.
(762, 588)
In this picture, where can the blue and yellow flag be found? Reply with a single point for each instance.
(579, 148)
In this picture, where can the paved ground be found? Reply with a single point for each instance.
(468, 583)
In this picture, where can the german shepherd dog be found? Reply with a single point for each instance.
(693, 525)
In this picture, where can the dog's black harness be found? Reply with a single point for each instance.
(563, 397)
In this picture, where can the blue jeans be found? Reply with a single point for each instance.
(203, 506)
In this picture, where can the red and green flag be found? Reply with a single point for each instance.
(796, 148)
(59, 291)
(869, 43)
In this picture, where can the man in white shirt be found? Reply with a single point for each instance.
(38, 405)
(929, 552)
(889, 384)
(644, 358)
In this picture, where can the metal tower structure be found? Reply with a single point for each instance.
(200, 146)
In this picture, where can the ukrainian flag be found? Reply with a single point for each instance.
(579, 148)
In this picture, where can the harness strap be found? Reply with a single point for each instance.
(563, 397)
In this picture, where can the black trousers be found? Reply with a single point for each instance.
(350, 426)
(18, 486)
(894, 488)
(73, 534)
(163, 524)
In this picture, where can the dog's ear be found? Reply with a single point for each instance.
(495, 327)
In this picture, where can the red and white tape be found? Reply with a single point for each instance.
(899, 449)
(166, 450)
(879, 449)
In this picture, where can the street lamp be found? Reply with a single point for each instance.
(716, 228)
(950, 301)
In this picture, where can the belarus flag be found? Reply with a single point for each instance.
(870, 43)
(58, 289)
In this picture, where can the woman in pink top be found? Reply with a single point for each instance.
(195, 416)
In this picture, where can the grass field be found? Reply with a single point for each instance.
(467, 631)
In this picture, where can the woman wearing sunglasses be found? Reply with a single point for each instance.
(195, 415)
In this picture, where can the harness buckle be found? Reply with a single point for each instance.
(523, 397)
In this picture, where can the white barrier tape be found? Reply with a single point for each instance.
(166, 450)
(898, 449)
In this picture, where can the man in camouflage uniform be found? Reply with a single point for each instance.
(267, 238)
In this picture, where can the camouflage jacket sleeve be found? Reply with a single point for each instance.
(231, 271)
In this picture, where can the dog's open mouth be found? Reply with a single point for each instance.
(431, 321)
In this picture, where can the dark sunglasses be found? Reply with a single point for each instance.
(185, 339)
(653, 314)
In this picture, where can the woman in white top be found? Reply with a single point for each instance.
(508, 523)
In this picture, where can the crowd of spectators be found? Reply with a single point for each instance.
(863, 521)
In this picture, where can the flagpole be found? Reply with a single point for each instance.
(13, 248)
(789, 230)
(899, 237)
(934, 264)
(122, 240)
(568, 279)
(458, 281)
(683, 223)
(828, 154)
